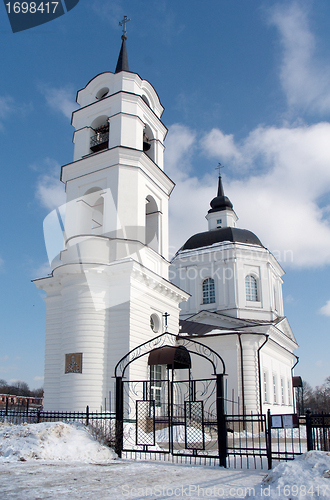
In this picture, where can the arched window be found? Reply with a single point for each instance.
(251, 288)
(99, 134)
(152, 224)
(148, 142)
(146, 100)
(208, 291)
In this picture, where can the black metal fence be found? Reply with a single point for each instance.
(251, 441)
(318, 431)
(247, 441)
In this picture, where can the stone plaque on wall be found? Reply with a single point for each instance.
(73, 362)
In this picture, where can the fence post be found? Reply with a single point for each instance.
(269, 439)
(119, 416)
(309, 433)
(87, 415)
(222, 426)
(7, 404)
(27, 407)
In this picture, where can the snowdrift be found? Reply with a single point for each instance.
(51, 441)
(305, 477)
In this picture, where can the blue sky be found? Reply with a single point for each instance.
(243, 82)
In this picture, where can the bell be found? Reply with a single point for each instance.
(146, 142)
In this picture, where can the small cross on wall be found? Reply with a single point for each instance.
(166, 315)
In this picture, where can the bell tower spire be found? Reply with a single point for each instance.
(109, 285)
(221, 213)
(122, 63)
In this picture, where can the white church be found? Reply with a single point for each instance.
(112, 287)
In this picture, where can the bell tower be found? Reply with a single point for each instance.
(109, 285)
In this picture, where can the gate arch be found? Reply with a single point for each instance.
(170, 340)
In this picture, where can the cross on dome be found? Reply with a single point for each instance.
(123, 24)
(219, 167)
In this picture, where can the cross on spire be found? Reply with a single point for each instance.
(123, 24)
(219, 167)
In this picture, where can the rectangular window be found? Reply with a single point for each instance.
(274, 389)
(251, 289)
(289, 393)
(208, 291)
(156, 384)
(275, 299)
(282, 391)
(265, 387)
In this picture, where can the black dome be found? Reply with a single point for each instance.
(232, 234)
(220, 203)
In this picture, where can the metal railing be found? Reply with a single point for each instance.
(251, 441)
(99, 139)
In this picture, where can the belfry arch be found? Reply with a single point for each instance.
(152, 224)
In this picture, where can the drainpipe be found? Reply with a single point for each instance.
(259, 368)
(242, 371)
(293, 393)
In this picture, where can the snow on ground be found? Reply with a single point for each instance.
(50, 441)
(308, 476)
(62, 461)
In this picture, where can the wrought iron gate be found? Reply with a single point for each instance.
(170, 416)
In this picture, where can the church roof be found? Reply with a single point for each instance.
(231, 234)
(122, 63)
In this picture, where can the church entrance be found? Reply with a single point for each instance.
(170, 414)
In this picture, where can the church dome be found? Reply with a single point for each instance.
(220, 203)
(230, 234)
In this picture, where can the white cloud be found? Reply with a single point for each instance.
(60, 99)
(186, 205)
(2, 262)
(281, 203)
(325, 310)
(180, 145)
(50, 190)
(305, 77)
(221, 145)
(6, 106)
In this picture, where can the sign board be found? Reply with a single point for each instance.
(286, 421)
